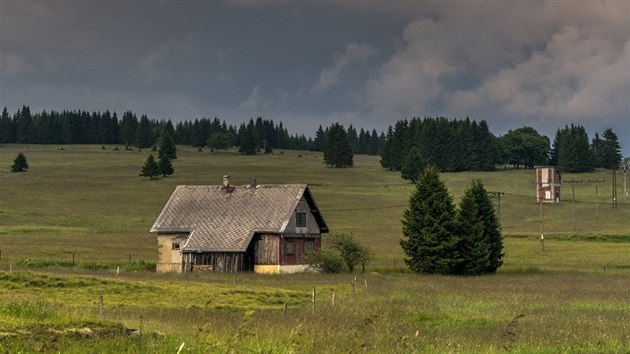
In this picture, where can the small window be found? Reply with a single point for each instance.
(175, 246)
(300, 219)
(288, 247)
(309, 246)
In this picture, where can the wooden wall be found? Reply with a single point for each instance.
(226, 262)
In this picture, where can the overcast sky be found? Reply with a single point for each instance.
(369, 63)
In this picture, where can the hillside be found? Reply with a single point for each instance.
(88, 202)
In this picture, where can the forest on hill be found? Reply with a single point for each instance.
(408, 145)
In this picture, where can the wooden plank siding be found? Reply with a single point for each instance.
(227, 262)
(291, 255)
(267, 249)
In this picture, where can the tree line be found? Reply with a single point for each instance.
(452, 145)
(82, 127)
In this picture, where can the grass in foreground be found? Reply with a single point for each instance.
(394, 313)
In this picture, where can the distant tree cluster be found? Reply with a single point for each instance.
(449, 145)
(439, 239)
(522, 147)
(82, 127)
(338, 150)
(573, 152)
(363, 142)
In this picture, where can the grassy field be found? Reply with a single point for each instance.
(87, 205)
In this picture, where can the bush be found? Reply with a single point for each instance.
(325, 261)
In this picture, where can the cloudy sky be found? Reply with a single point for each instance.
(368, 63)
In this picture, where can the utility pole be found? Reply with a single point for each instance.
(497, 196)
(542, 228)
(596, 198)
(614, 188)
(573, 183)
(625, 190)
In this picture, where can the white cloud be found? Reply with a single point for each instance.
(13, 64)
(255, 101)
(151, 65)
(576, 76)
(330, 77)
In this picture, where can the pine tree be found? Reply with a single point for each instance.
(338, 151)
(429, 234)
(611, 151)
(413, 165)
(166, 167)
(19, 164)
(247, 139)
(481, 245)
(143, 133)
(151, 168)
(167, 147)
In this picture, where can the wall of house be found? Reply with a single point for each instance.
(169, 255)
(548, 183)
(311, 224)
(226, 262)
(294, 255)
(266, 249)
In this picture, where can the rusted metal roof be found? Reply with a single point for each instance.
(225, 221)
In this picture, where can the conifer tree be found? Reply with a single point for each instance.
(151, 168)
(611, 151)
(481, 245)
(19, 164)
(429, 234)
(338, 151)
(167, 147)
(412, 165)
(166, 167)
(247, 139)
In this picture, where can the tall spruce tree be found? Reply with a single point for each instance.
(166, 167)
(481, 244)
(338, 151)
(151, 168)
(247, 139)
(413, 165)
(19, 164)
(167, 146)
(611, 150)
(429, 231)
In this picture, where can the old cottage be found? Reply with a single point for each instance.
(227, 228)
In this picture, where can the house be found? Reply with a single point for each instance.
(227, 228)
(548, 182)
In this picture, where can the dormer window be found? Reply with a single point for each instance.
(300, 219)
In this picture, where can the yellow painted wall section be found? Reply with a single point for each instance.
(267, 269)
(169, 260)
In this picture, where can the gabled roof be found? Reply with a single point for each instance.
(224, 221)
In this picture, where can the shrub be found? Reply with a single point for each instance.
(325, 261)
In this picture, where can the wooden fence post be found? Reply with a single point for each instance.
(333, 298)
(313, 299)
(284, 310)
(100, 305)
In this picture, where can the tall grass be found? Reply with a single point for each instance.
(87, 206)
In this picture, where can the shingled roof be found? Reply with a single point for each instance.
(222, 221)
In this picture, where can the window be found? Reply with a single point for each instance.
(300, 219)
(288, 247)
(309, 246)
(175, 246)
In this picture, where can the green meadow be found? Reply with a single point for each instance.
(75, 248)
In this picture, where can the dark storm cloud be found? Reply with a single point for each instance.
(538, 63)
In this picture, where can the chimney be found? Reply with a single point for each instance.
(254, 182)
(226, 181)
